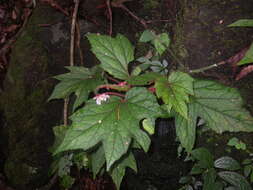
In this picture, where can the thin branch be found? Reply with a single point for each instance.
(112, 79)
(115, 94)
(143, 22)
(56, 6)
(207, 67)
(108, 3)
(78, 39)
(175, 58)
(161, 20)
(13, 39)
(72, 46)
(72, 37)
(117, 87)
(65, 111)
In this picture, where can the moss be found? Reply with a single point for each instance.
(24, 105)
(178, 46)
(20, 178)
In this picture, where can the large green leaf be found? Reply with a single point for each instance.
(235, 179)
(97, 160)
(242, 23)
(59, 133)
(161, 42)
(113, 53)
(118, 170)
(186, 129)
(221, 107)
(175, 91)
(210, 180)
(197, 169)
(114, 123)
(227, 163)
(147, 36)
(79, 80)
(204, 157)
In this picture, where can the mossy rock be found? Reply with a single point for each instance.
(29, 117)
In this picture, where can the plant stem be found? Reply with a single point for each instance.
(175, 57)
(207, 67)
(78, 34)
(143, 22)
(115, 94)
(112, 79)
(73, 27)
(114, 87)
(108, 3)
(72, 45)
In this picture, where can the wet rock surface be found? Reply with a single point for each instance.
(202, 37)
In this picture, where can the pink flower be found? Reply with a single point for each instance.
(101, 97)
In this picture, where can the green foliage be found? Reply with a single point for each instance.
(175, 91)
(227, 163)
(204, 157)
(221, 107)
(114, 53)
(161, 42)
(237, 143)
(186, 129)
(144, 79)
(248, 57)
(155, 65)
(66, 181)
(80, 81)
(212, 177)
(242, 23)
(248, 169)
(118, 171)
(149, 125)
(62, 163)
(114, 124)
(235, 179)
(116, 112)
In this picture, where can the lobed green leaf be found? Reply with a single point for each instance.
(79, 80)
(113, 53)
(175, 91)
(186, 129)
(118, 171)
(114, 124)
(221, 107)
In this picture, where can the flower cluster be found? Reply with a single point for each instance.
(101, 97)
